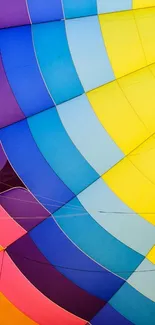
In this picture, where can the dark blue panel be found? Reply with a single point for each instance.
(79, 8)
(60, 251)
(31, 166)
(109, 316)
(22, 70)
(45, 10)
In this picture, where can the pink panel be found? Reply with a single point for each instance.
(1, 260)
(9, 229)
(20, 292)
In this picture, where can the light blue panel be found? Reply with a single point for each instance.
(89, 52)
(55, 61)
(134, 306)
(60, 152)
(79, 8)
(144, 282)
(123, 224)
(91, 138)
(97, 242)
(113, 5)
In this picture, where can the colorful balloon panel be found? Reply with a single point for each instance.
(77, 156)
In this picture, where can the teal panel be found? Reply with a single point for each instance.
(134, 306)
(95, 241)
(55, 61)
(117, 218)
(60, 152)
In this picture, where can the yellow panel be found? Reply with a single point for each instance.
(122, 41)
(146, 25)
(143, 3)
(151, 255)
(117, 116)
(139, 88)
(132, 188)
(10, 315)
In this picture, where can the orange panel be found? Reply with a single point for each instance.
(10, 315)
(30, 301)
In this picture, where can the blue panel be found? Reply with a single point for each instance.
(88, 52)
(95, 241)
(60, 251)
(79, 8)
(97, 147)
(124, 223)
(109, 316)
(22, 70)
(44, 10)
(33, 169)
(134, 306)
(55, 61)
(60, 152)
(113, 5)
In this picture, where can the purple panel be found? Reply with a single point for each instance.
(9, 109)
(13, 13)
(50, 282)
(22, 206)
(3, 158)
(8, 178)
(109, 316)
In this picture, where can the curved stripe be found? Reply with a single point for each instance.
(10, 112)
(44, 10)
(118, 117)
(139, 88)
(113, 5)
(29, 300)
(27, 160)
(79, 8)
(129, 181)
(109, 316)
(51, 282)
(134, 306)
(22, 70)
(59, 151)
(97, 242)
(91, 138)
(117, 218)
(3, 158)
(13, 13)
(55, 61)
(23, 207)
(11, 315)
(50, 240)
(144, 282)
(122, 41)
(9, 229)
(143, 3)
(88, 52)
(145, 20)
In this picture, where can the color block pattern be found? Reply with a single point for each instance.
(77, 156)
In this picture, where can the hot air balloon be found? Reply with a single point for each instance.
(77, 162)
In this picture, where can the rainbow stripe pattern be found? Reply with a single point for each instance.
(77, 130)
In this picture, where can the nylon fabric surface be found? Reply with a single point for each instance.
(77, 156)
